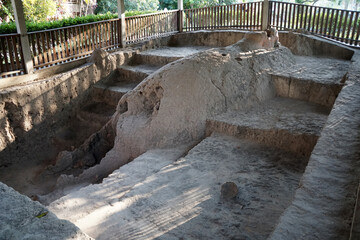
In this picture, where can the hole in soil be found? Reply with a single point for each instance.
(274, 140)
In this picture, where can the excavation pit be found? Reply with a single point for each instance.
(166, 130)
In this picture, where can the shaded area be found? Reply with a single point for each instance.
(181, 199)
(22, 218)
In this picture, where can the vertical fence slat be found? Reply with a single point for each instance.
(343, 26)
(326, 22)
(297, 17)
(305, 16)
(217, 17)
(7, 54)
(277, 14)
(90, 39)
(301, 9)
(40, 53)
(255, 14)
(317, 20)
(59, 45)
(11, 53)
(15, 44)
(259, 14)
(338, 32)
(49, 53)
(53, 33)
(33, 45)
(3, 56)
(247, 16)
(322, 20)
(77, 30)
(357, 35)
(331, 22)
(354, 28)
(6, 60)
(349, 28)
(293, 17)
(335, 23)
(73, 42)
(284, 26)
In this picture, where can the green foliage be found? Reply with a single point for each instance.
(6, 28)
(39, 10)
(172, 4)
(308, 2)
(104, 6)
(34, 10)
(141, 5)
(6, 10)
(135, 13)
(169, 4)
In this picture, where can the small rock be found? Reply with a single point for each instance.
(63, 161)
(229, 190)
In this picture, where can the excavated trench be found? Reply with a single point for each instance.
(80, 138)
(258, 135)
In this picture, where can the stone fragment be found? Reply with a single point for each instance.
(229, 190)
(63, 161)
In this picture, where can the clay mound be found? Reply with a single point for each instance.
(170, 106)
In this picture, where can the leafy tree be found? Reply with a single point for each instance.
(141, 5)
(172, 4)
(34, 10)
(312, 2)
(6, 10)
(357, 3)
(346, 3)
(169, 4)
(39, 10)
(104, 6)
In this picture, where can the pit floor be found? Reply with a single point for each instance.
(317, 69)
(156, 197)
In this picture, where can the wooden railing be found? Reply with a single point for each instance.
(73, 42)
(59, 45)
(341, 25)
(11, 58)
(241, 16)
(147, 26)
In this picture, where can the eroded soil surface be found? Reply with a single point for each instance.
(181, 199)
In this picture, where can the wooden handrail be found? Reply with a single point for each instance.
(8, 35)
(299, 4)
(74, 26)
(66, 43)
(152, 14)
(338, 24)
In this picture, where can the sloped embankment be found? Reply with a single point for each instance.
(171, 106)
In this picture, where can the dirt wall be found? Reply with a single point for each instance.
(309, 45)
(30, 112)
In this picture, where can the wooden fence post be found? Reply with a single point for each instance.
(265, 15)
(180, 15)
(24, 39)
(121, 15)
